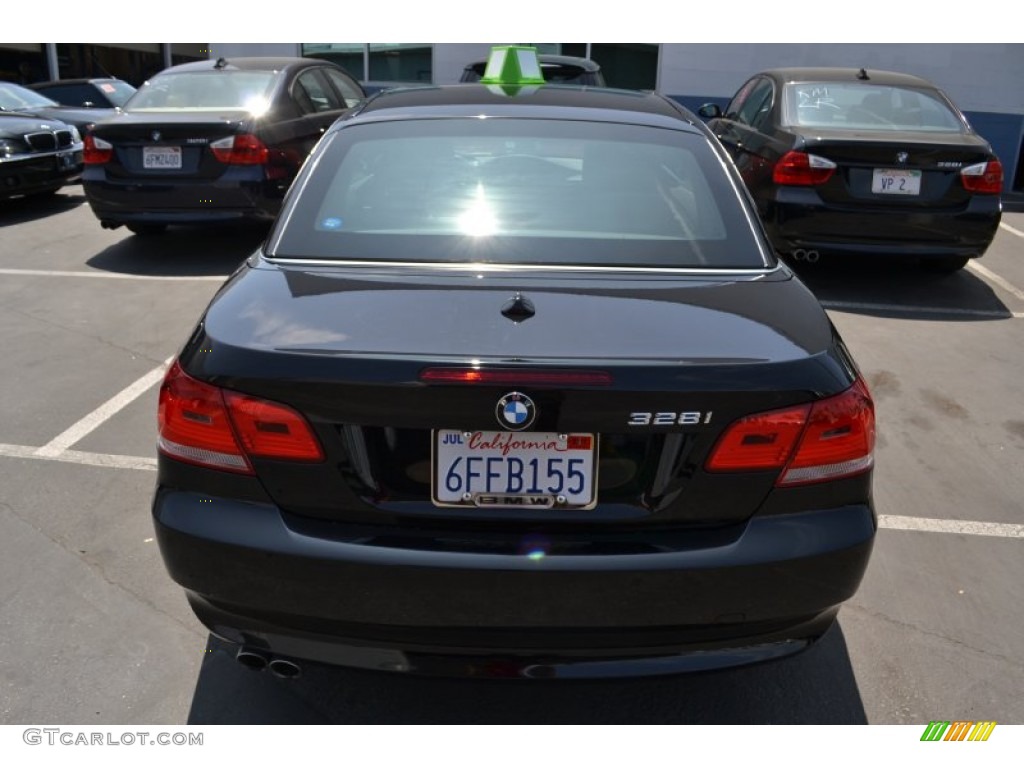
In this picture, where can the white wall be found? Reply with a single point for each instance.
(985, 77)
(451, 58)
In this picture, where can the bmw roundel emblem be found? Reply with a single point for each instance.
(516, 411)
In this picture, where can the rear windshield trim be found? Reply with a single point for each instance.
(452, 266)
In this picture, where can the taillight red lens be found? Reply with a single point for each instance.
(96, 151)
(983, 178)
(271, 430)
(839, 439)
(203, 424)
(799, 169)
(762, 441)
(195, 426)
(811, 443)
(513, 377)
(243, 149)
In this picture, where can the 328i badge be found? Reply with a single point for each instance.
(516, 386)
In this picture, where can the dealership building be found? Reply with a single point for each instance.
(984, 79)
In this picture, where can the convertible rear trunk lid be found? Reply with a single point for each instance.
(348, 347)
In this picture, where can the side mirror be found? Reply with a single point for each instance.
(709, 111)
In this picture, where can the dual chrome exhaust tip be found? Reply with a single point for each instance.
(258, 661)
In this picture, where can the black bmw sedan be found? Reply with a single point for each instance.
(212, 141)
(37, 157)
(516, 388)
(862, 162)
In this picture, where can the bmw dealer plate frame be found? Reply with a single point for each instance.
(520, 470)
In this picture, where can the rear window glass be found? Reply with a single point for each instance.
(866, 106)
(204, 90)
(14, 97)
(117, 92)
(519, 191)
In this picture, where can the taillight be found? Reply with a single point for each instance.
(514, 377)
(839, 440)
(799, 169)
(762, 441)
(983, 178)
(826, 440)
(243, 149)
(271, 430)
(96, 151)
(203, 424)
(194, 424)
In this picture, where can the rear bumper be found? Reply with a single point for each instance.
(240, 193)
(442, 602)
(797, 218)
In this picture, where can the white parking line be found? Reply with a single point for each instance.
(912, 309)
(108, 460)
(934, 525)
(109, 275)
(1002, 282)
(88, 423)
(1011, 230)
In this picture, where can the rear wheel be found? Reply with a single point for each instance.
(145, 230)
(945, 264)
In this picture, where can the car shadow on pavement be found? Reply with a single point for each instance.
(182, 251)
(900, 289)
(817, 686)
(20, 210)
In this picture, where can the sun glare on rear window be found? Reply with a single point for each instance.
(204, 90)
(525, 191)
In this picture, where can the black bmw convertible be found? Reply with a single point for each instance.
(516, 387)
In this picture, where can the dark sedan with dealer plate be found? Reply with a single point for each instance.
(212, 141)
(865, 162)
(515, 388)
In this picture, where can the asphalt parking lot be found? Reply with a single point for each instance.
(93, 631)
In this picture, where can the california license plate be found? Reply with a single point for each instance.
(896, 181)
(528, 470)
(161, 157)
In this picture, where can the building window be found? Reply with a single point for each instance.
(132, 62)
(627, 65)
(349, 56)
(182, 53)
(389, 62)
(22, 62)
(401, 62)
